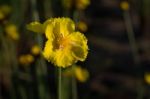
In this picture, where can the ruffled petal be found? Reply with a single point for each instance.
(49, 31)
(64, 58)
(48, 50)
(67, 26)
(62, 26)
(79, 45)
(36, 27)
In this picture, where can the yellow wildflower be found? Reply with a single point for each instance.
(64, 46)
(82, 26)
(82, 4)
(26, 59)
(11, 31)
(35, 50)
(147, 77)
(124, 5)
(81, 74)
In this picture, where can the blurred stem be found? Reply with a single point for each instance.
(131, 38)
(134, 49)
(59, 82)
(76, 16)
(8, 55)
(41, 70)
(74, 85)
(48, 8)
(22, 92)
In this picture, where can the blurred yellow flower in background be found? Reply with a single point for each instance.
(79, 73)
(124, 5)
(35, 50)
(67, 3)
(79, 4)
(26, 59)
(4, 11)
(82, 4)
(64, 46)
(2, 16)
(82, 26)
(12, 31)
(147, 77)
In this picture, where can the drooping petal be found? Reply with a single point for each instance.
(79, 45)
(36, 27)
(48, 50)
(64, 58)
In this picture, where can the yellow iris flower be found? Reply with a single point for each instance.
(64, 46)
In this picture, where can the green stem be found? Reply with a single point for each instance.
(134, 49)
(59, 83)
(74, 85)
(131, 37)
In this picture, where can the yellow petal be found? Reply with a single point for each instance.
(79, 45)
(48, 50)
(59, 27)
(49, 31)
(36, 27)
(64, 58)
(67, 26)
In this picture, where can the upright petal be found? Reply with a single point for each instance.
(49, 31)
(62, 26)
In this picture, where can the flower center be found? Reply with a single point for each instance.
(61, 42)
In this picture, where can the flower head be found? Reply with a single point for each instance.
(64, 46)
